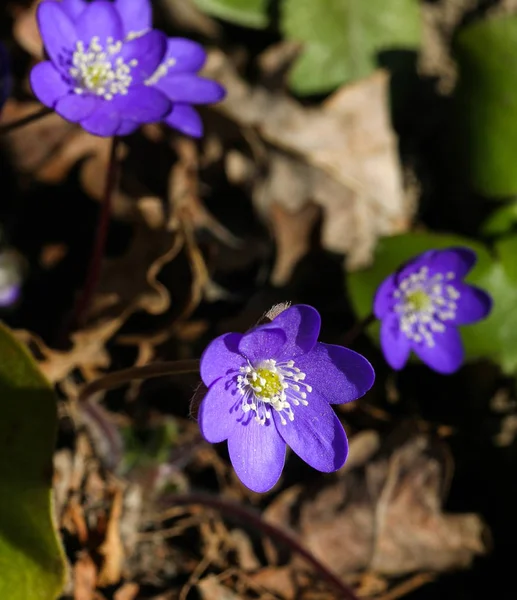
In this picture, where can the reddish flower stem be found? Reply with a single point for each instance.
(8, 127)
(94, 268)
(157, 369)
(250, 517)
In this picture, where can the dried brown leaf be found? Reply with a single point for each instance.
(341, 155)
(210, 588)
(112, 549)
(292, 233)
(85, 578)
(385, 516)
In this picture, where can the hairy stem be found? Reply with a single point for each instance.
(94, 268)
(250, 517)
(8, 127)
(157, 369)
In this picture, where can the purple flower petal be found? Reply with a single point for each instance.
(142, 103)
(185, 119)
(190, 89)
(394, 343)
(57, 31)
(257, 453)
(148, 50)
(262, 344)
(413, 266)
(136, 15)
(220, 357)
(315, 435)
(219, 410)
(383, 300)
(47, 83)
(104, 122)
(188, 56)
(99, 19)
(456, 260)
(301, 325)
(126, 127)
(473, 304)
(75, 108)
(10, 294)
(73, 8)
(446, 355)
(337, 374)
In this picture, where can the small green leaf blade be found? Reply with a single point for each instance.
(486, 104)
(248, 13)
(343, 38)
(32, 565)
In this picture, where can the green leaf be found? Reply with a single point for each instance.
(32, 564)
(249, 13)
(502, 220)
(343, 38)
(494, 337)
(486, 101)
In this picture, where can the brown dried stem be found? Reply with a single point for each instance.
(157, 369)
(250, 517)
(8, 127)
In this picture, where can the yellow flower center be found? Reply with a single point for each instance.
(270, 384)
(418, 300)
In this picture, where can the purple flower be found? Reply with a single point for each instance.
(273, 386)
(110, 72)
(421, 305)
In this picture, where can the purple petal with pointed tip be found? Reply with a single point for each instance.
(127, 127)
(337, 374)
(315, 435)
(262, 344)
(221, 357)
(219, 410)
(73, 8)
(136, 15)
(456, 260)
(75, 108)
(395, 345)
(188, 56)
(47, 83)
(446, 355)
(185, 119)
(148, 51)
(57, 31)
(257, 453)
(99, 19)
(190, 89)
(104, 122)
(473, 304)
(301, 325)
(384, 299)
(142, 103)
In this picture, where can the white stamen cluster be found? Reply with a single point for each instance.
(99, 70)
(271, 384)
(161, 71)
(424, 303)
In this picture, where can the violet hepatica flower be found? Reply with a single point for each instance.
(422, 304)
(273, 387)
(110, 72)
